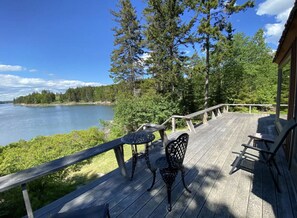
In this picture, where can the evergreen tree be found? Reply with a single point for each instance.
(126, 57)
(249, 67)
(165, 34)
(213, 28)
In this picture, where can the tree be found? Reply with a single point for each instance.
(165, 35)
(249, 67)
(126, 57)
(213, 28)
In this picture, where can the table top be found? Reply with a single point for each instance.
(140, 137)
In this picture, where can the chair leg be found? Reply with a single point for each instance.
(168, 176)
(276, 167)
(154, 179)
(274, 179)
(169, 207)
(183, 180)
(237, 161)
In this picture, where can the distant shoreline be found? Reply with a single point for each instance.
(105, 103)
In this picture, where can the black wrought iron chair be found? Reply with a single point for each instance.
(172, 163)
(268, 154)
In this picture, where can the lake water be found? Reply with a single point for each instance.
(21, 122)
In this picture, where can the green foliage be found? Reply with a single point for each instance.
(165, 34)
(45, 97)
(26, 154)
(131, 112)
(214, 31)
(126, 57)
(286, 70)
(249, 66)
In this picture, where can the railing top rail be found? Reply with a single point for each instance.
(201, 112)
(12, 180)
(259, 105)
(204, 111)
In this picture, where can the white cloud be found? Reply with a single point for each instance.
(280, 10)
(12, 86)
(274, 7)
(273, 32)
(10, 68)
(33, 70)
(15, 68)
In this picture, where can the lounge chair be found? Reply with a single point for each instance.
(268, 153)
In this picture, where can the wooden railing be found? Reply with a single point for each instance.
(211, 112)
(23, 177)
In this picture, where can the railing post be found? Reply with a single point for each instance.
(204, 119)
(213, 116)
(163, 136)
(250, 109)
(173, 124)
(190, 125)
(219, 112)
(119, 153)
(227, 108)
(27, 201)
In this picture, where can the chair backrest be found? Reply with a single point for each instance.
(291, 124)
(176, 150)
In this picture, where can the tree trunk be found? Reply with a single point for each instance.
(207, 47)
(206, 84)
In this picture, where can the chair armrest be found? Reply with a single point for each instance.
(262, 137)
(256, 148)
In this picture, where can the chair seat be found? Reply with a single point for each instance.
(161, 163)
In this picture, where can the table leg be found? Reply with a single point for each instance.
(147, 158)
(148, 163)
(134, 159)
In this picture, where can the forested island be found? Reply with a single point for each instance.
(88, 94)
(5, 102)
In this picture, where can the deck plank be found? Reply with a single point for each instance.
(215, 193)
(190, 163)
(213, 202)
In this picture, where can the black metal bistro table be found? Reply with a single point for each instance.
(134, 139)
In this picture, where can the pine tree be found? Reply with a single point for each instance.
(165, 34)
(213, 28)
(126, 59)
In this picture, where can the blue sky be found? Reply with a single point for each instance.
(57, 44)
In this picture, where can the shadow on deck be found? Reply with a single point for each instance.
(214, 191)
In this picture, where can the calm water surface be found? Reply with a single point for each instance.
(21, 122)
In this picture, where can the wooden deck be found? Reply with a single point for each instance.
(214, 191)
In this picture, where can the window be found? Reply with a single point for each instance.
(285, 87)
